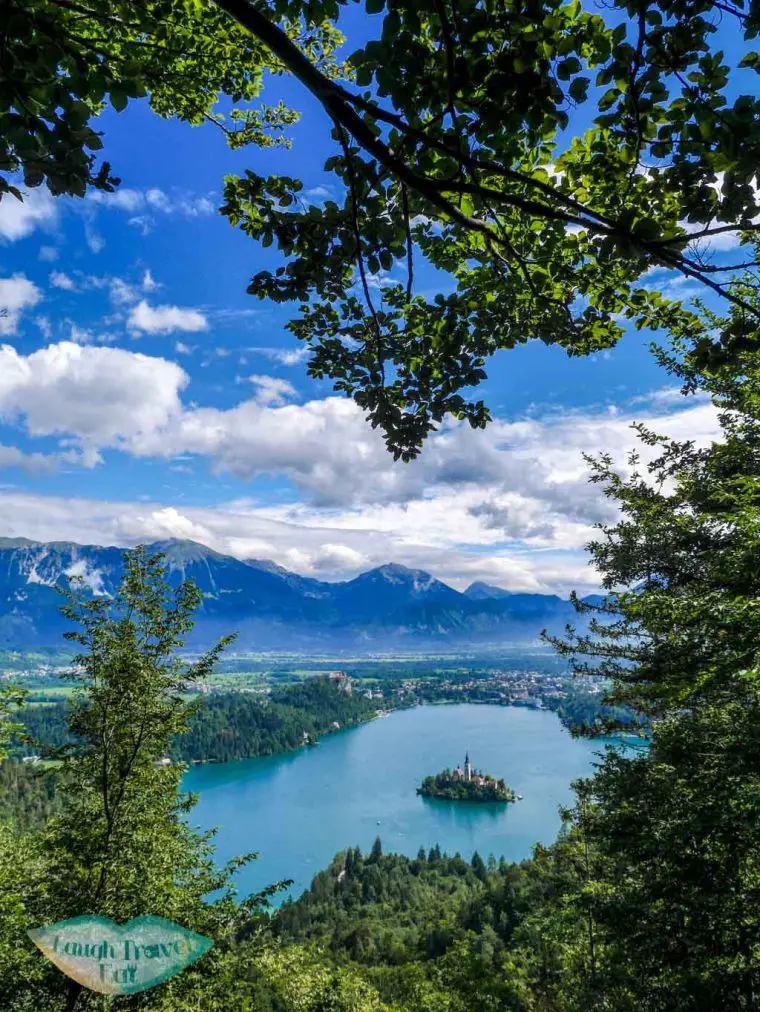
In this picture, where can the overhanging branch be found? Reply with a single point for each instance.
(339, 104)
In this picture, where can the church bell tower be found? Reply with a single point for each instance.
(467, 767)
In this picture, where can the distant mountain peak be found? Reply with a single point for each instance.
(394, 570)
(175, 543)
(481, 591)
(272, 608)
(267, 565)
(393, 573)
(17, 543)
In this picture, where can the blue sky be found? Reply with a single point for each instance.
(144, 395)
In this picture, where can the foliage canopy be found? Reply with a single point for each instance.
(544, 157)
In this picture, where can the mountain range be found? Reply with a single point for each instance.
(273, 609)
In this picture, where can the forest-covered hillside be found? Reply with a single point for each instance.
(432, 928)
(237, 725)
(27, 795)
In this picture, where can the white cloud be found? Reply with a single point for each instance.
(33, 463)
(196, 206)
(19, 219)
(91, 578)
(154, 200)
(60, 280)
(94, 240)
(123, 198)
(285, 356)
(48, 253)
(679, 287)
(333, 557)
(271, 390)
(325, 550)
(182, 349)
(515, 480)
(46, 327)
(721, 242)
(511, 503)
(165, 319)
(81, 336)
(149, 283)
(189, 206)
(17, 293)
(94, 397)
(121, 293)
(319, 193)
(377, 281)
(294, 357)
(144, 222)
(326, 448)
(158, 200)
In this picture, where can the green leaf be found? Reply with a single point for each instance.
(579, 88)
(608, 99)
(118, 100)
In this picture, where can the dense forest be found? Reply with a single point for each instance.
(241, 725)
(433, 932)
(46, 727)
(236, 725)
(27, 795)
(580, 710)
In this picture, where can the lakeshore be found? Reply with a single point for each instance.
(299, 808)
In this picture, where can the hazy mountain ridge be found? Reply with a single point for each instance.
(271, 607)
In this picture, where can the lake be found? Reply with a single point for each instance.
(298, 809)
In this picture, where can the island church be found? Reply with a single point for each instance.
(466, 774)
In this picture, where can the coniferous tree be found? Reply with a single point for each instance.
(121, 846)
(478, 865)
(669, 887)
(11, 700)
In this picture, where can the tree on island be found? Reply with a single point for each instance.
(454, 144)
(453, 786)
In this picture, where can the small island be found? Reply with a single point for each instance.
(465, 785)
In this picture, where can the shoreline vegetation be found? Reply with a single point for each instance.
(242, 724)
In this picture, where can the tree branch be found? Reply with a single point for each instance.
(409, 246)
(358, 239)
(340, 109)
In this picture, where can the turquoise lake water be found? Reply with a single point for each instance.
(297, 810)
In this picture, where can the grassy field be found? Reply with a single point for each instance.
(259, 672)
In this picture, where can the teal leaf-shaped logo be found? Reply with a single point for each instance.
(119, 958)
